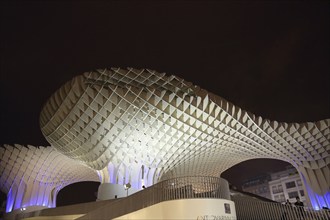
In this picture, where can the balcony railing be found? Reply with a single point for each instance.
(202, 187)
(171, 189)
(256, 210)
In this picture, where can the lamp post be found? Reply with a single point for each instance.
(127, 186)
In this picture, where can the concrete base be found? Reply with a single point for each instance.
(111, 191)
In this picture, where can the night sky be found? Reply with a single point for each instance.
(270, 58)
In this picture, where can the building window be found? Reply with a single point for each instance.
(279, 198)
(274, 189)
(293, 194)
(277, 189)
(280, 188)
(299, 183)
(290, 185)
(302, 193)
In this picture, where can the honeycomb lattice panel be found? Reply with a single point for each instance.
(38, 172)
(127, 116)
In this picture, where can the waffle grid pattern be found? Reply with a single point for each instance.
(115, 121)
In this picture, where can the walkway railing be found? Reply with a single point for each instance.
(171, 189)
(256, 210)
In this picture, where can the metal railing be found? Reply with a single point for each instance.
(256, 210)
(171, 189)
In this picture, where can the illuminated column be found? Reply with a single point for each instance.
(32, 176)
(317, 185)
(33, 196)
(113, 179)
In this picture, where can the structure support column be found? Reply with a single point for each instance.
(317, 185)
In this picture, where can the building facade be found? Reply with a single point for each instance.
(258, 185)
(278, 186)
(285, 185)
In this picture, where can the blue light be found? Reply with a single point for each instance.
(10, 201)
(317, 201)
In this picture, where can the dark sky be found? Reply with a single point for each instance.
(270, 58)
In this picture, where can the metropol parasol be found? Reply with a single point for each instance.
(119, 126)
